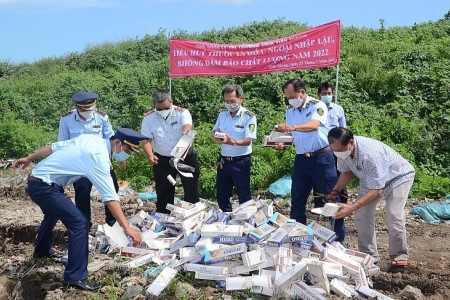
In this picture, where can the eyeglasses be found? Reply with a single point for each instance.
(162, 108)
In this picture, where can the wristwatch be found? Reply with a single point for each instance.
(234, 143)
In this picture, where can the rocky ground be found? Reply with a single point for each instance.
(22, 277)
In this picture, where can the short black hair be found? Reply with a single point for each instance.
(233, 88)
(297, 84)
(340, 134)
(324, 86)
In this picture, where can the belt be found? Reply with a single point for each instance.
(235, 158)
(34, 179)
(320, 151)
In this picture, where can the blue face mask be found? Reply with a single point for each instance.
(326, 99)
(121, 156)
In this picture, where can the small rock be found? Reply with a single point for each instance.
(411, 293)
(185, 291)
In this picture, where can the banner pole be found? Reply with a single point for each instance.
(337, 85)
(170, 78)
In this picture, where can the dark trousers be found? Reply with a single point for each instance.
(55, 205)
(83, 189)
(321, 171)
(229, 174)
(320, 199)
(165, 191)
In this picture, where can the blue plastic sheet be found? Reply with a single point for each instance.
(281, 187)
(433, 212)
(152, 197)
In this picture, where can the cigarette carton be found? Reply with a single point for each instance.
(278, 219)
(336, 256)
(212, 230)
(183, 145)
(329, 210)
(115, 236)
(245, 213)
(133, 251)
(254, 257)
(215, 270)
(246, 227)
(246, 204)
(229, 251)
(322, 232)
(199, 206)
(296, 273)
(342, 289)
(279, 236)
(316, 270)
(276, 137)
(231, 239)
(139, 260)
(247, 282)
(208, 276)
(302, 290)
(266, 263)
(368, 292)
(160, 283)
(258, 233)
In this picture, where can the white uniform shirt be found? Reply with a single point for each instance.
(84, 156)
(377, 166)
(165, 134)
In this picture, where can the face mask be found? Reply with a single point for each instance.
(232, 107)
(164, 113)
(89, 114)
(326, 99)
(342, 155)
(296, 102)
(121, 156)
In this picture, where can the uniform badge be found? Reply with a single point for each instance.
(308, 114)
(97, 126)
(320, 112)
(251, 127)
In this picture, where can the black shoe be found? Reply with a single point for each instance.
(84, 285)
(52, 254)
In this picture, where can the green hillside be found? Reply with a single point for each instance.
(394, 85)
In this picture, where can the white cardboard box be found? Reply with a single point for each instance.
(160, 283)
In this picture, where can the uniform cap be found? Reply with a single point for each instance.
(130, 137)
(85, 100)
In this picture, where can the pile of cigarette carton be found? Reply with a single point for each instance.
(252, 247)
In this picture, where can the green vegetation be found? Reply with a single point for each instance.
(393, 84)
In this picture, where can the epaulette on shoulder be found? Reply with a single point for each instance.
(180, 108)
(314, 101)
(149, 112)
(67, 113)
(249, 113)
(100, 112)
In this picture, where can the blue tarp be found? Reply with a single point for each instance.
(433, 212)
(281, 187)
(152, 197)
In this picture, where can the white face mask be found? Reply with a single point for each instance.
(232, 107)
(88, 114)
(343, 154)
(164, 113)
(296, 102)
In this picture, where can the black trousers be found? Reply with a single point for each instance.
(165, 191)
(320, 200)
(83, 189)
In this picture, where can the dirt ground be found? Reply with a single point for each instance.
(429, 268)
